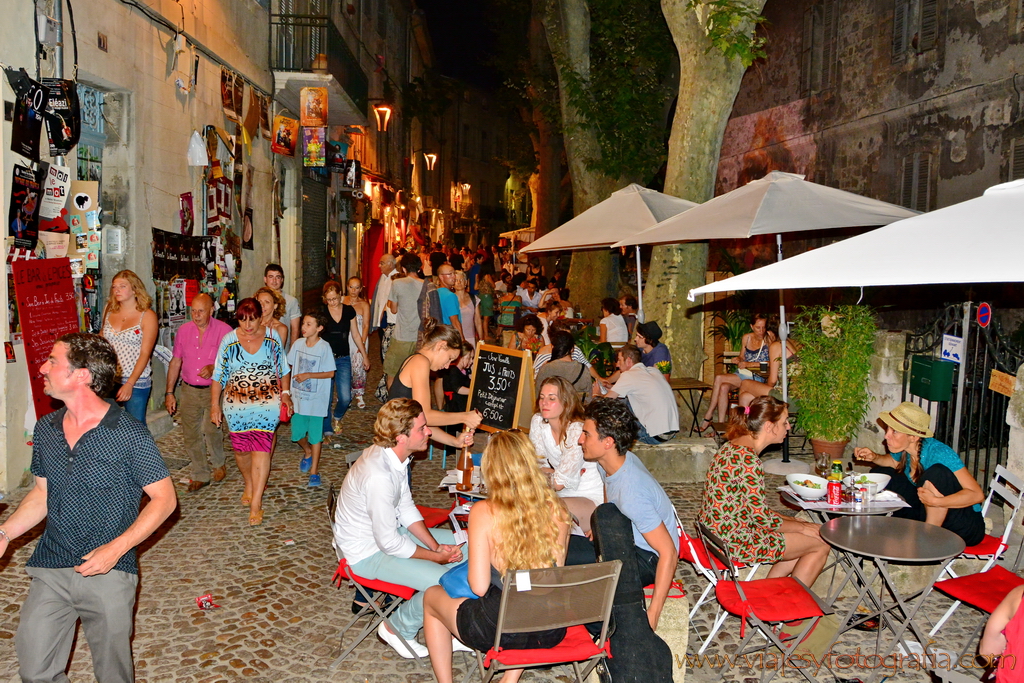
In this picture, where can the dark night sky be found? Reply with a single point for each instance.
(461, 34)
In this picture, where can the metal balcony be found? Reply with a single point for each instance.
(296, 42)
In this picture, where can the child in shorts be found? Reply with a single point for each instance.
(312, 363)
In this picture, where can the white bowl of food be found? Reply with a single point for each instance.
(807, 486)
(858, 479)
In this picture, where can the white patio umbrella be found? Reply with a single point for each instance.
(626, 212)
(777, 203)
(978, 240)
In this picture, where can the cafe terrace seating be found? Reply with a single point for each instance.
(763, 602)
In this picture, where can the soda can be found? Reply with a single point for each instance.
(835, 492)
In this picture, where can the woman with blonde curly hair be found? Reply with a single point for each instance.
(272, 309)
(521, 525)
(130, 325)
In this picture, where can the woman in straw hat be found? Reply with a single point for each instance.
(931, 477)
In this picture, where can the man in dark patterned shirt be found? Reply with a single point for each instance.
(91, 461)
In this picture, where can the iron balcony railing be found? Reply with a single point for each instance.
(297, 40)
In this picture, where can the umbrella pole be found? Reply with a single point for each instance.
(639, 289)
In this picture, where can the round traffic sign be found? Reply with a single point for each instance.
(984, 314)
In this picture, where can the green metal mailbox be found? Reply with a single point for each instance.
(931, 378)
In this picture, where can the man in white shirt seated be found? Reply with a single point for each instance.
(649, 397)
(377, 527)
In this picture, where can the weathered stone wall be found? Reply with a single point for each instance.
(885, 385)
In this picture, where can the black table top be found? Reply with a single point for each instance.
(892, 538)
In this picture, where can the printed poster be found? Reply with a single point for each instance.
(25, 203)
(186, 213)
(85, 196)
(313, 107)
(56, 186)
(313, 147)
(247, 229)
(177, 308)
(29, 102)
(62, 115)
(45, 296)
(264, 115)
(337, 153)
(237, 94)
(227, 94)
(55, 244)
(285, 136)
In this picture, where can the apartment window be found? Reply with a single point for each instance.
(915, 27)
(820, 47)
(1016, 159)
(915, 190)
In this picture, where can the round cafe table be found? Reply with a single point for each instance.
(882, 540)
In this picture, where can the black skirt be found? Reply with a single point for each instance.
(477, 621)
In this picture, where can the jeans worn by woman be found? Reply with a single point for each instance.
(342, 381)
(136, 405)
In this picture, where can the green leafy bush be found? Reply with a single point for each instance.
(831, 378)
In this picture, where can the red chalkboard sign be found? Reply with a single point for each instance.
(47, 309)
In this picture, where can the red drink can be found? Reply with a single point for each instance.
(835, 492)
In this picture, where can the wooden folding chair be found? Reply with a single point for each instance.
(764, 602)
(557, 597)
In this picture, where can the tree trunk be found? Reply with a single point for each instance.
(593, 274)
(708, 84)
(548, 139)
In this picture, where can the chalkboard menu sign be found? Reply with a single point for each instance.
(502, 387)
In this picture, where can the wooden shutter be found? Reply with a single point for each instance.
(1016, 159)
(900, 21)
(923, 181)
(929, 25)
(806, 50)
(829, 43)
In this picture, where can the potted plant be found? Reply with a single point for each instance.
(831, 377)
(600, 354)
(734, 325)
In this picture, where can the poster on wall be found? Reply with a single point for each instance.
(313, 147)
(24, 212)
(313, 107)
(265, 115)
(247, 229)
(45, 297)
(85, 195)
(352, 175)
(177, 308)
(56, 186)
(251, 125)
(286, 134)
(62, 115)
(237, 95)
(186, 213)
(337, 153)
(55, 244)
(27, 124)
(227, 94)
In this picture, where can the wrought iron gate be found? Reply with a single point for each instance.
(973, 422)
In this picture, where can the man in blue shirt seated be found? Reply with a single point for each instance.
(653, 353)
(609, 431)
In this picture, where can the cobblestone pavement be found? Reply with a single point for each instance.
(279, 616)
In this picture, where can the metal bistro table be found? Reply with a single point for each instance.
(695, 394)
(883, 540)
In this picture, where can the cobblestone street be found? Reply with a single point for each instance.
(278, 616)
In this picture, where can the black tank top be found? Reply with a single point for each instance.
(399, 390)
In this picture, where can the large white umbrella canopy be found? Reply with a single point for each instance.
(979, 240)
(626, 212)
(779, 202)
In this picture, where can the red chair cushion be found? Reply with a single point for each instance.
(769, 600)
(988, 546)
(433, 517)
(575, 647)
(984, 591)
(344, 571)
(699, 552)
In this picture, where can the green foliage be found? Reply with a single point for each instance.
(734, 325)
(831, 380)
(624, 98)
(600, 354)
(730, 26)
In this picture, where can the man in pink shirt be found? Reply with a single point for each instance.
(195, 350)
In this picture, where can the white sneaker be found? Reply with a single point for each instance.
(360, 402)
(459, 646)
(400, 647)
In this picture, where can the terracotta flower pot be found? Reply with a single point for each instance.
(827, 451)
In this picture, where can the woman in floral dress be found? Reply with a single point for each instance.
(733, 504)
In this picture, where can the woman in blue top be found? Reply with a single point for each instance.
(938, 487)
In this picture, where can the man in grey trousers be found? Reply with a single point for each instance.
(92, 461)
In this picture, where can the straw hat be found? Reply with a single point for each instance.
(908, 418)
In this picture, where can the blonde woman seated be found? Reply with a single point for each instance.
(555, 432)
(521, 525)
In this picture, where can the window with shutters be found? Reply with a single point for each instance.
(820, 47)
(915, 27)
(915, 187)
(1016, 159)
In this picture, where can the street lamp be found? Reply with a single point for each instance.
(383, 113)
(431, 159)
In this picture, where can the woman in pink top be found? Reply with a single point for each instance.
(1004, 638)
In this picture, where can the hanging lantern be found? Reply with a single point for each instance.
(383, 113)
(431, 159)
